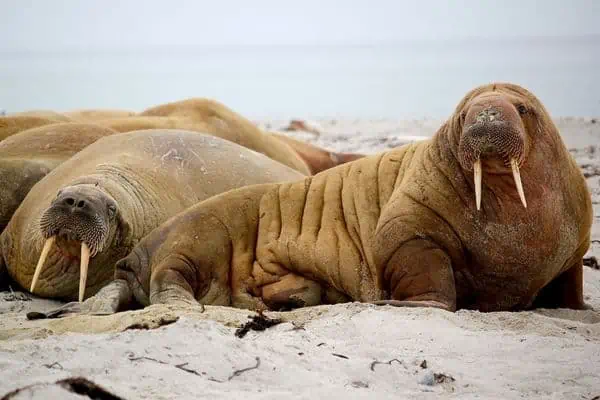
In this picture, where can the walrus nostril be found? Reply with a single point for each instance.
(80, 204)
(488, 115)
(69, 201)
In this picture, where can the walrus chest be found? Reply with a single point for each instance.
(506, 264)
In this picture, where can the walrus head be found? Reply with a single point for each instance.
(82, 221)
(497, 127)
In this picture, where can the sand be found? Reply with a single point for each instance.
(352, 351)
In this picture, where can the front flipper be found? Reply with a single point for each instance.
(412, 303)
(419, 274)
(109, 300)
(291, 291)
(171, 283)
(565, 291)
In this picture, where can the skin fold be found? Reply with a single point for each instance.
(401, 227)
(114, 192)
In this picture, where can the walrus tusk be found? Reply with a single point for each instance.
(85, 261)
(477, 178)
(515, 170)
(44, 254)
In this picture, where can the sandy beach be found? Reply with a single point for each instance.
(352, 351)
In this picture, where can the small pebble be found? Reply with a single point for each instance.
(427, 379)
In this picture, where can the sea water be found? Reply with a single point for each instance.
(394, 80)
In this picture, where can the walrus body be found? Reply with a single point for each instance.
(25, 158)
(13, 124)
(317, 158)
(108, 196)
(414, 226)
(47, 114)
(223, 122)
(90, 115)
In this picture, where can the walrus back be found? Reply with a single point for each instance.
(321, 227)
(11, 125)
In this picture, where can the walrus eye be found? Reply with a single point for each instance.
(112, 210)
(522, 109)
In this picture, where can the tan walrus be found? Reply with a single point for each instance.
(491, 214)
(25, 158)
(318, 159)
(232, 126)
(13, 124)
(96, 114)
(226, 123)
(89, 211)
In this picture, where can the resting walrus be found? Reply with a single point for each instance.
(441, 223)
(317, 158)
(28, 156)
(96, 114)
(13, 124)
(101, 201)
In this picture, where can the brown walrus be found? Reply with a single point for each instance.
(318, 159)
(226, 123)
(47, 114)
(418, 225)
(313, 159)
(13, 124)
(89, 211)
(92, 114)
(25, 158)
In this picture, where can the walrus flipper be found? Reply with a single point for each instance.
(419, 272)
(565, 291)
(110, 299)
(169, 285)
(412, 303)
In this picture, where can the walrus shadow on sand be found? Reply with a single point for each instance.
(491, 214)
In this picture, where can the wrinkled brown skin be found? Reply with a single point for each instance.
(317, 158)
(13, 124)
(400, 225)
(25, 158)
(91, 115)
(219, 120)
(150, 175)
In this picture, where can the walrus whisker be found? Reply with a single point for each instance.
(517, 176)
(44, 254)
(477, 178)
(85, 261)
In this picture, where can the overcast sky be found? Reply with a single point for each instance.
(48, 24)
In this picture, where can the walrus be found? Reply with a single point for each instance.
(47, 114)
(492, 214)
(222, 121)
(25, 158)
(92, 114)
(317, 158)
(13, 124)
(90, 210)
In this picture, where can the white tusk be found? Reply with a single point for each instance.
(38, 268)
(515, 170)
(477, 178)
(85, 261)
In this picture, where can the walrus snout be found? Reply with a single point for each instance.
(494, 132)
